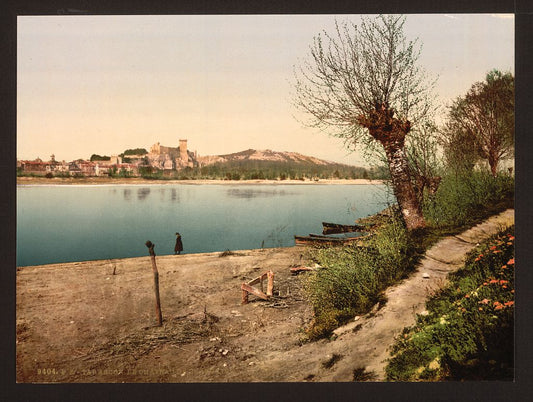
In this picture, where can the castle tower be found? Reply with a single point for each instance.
(184, 156)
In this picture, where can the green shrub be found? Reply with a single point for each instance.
(351, 279)
(464, 198)
(468, 331)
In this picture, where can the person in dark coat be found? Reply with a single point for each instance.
(178, 248)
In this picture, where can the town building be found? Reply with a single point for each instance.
(160, 157)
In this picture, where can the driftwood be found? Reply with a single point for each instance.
(297, 270)
(151, 246)
(248, 289)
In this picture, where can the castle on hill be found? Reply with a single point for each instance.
(172, 158)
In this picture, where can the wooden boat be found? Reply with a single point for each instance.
(331, 228)
(311, 240)
(314, 239)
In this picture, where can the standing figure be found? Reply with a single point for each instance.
(178, 248)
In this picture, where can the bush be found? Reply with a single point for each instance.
(465, 198)
(352, 279)
(468, 331)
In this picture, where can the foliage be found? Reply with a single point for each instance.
(468, 331)
(95, 157)
(356, 68)
(266, 170)
(467, 197)
(352, 279)
(135, 151)
(363, 83)
(481, 124)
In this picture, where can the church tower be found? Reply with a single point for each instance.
(184, 156)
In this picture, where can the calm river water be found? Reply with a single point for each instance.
(79, 223)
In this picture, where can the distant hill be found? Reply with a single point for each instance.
(264, 156)
(268, 164)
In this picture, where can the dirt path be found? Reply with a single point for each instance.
(80, 323)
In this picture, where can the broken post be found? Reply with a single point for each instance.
(270, 285)
(248, 289)
(151, 246)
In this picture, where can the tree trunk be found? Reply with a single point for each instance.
(390, 132)
(493, 163)
(402, 186)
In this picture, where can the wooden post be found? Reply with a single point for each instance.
(244, 299)
(151, 246)
(270, 285)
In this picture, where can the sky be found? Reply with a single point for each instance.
(103, 84)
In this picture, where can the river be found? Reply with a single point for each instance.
(78, 223)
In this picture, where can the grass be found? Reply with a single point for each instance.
(468, 331)
(352, 279)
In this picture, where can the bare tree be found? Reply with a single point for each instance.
(363, 85)
(484, 117)
(423, 150)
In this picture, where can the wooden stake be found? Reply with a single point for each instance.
(151, 246)
(270, 285)
(244, 299)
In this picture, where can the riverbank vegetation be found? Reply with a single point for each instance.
(466, 333)
(444, 179)
(267, 170)
(351, 280)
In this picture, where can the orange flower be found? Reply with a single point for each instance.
(493, 281)
(502, 281)
(485, 283)
(509, 303)
(510, 262)
(498, 307)
(480, 309)
(477, 259)
(504, 286)
(467, 296)
(512, 291)
(497, 251)
(511, 237)
(504, 266)
(484, 301)
(509, 243)
(493, 248)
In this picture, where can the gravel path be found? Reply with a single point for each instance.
(408, 299)
(363, 344)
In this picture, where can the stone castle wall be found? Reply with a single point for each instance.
(167, 158)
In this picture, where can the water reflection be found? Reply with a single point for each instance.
(142, 193)
(256, 193)
(127, 194)
(174, 195)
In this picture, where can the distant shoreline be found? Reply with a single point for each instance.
(91, 181)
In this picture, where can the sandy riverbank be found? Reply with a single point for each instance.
(79, 322)
(141, 181)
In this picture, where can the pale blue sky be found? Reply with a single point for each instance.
(102, 84)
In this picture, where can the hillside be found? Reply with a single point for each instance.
(267, 164)
(264, 156)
